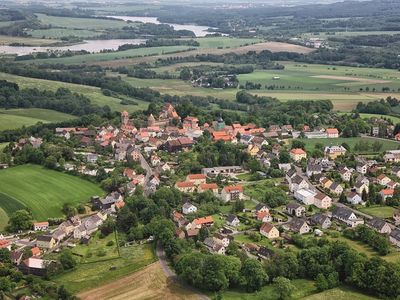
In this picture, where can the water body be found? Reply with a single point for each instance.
(93, 46)
(199, 31)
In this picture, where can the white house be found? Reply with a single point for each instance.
(188, 208)
(232, 193)
(354, 198)
(305, 195)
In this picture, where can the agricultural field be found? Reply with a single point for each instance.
(148, 283)
(107, 269)
(324, 35)
(16, 118)
(386, 144)
(93, 93)
(43, 191)
(7, 40)
(3, 219)
(57, 33)
(225, 42)
(80, 23)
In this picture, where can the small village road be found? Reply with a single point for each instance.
(169, 273)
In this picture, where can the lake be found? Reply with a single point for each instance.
(199, 31)
(92, 46)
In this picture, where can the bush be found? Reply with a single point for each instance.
(110, 243)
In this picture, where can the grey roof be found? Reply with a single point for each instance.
(260, 206)
(230, 218)
(319, 219)
(334, 185)
(44, 238)
(265, 252)
(342, 213)
(297, 179)
(291, 172)
(187, 205)
(296, 223)
(377, 223)
(293, 205)
(209, 242)
(314, 167)
(395, 234)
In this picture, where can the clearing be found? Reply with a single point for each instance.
(16, 118)
(43, 191)
(148, 283)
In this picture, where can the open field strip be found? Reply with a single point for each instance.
(57, 33)
(43, 191)
(16, 118)
(3, 219)
(7, 40)
(93, 93)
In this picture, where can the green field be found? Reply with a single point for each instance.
(394, 119)
(6, 40)
(225, 42)
(387, 144)
(324, 35)
(96, 273)
(16, 118)
(93, 93)
(57, 33)
(378, 211)
(97, 57)
(43, 191)
(340, 293)
(80, 23)
(3, 219)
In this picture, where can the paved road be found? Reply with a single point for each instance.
(149, 172)
(171, 274)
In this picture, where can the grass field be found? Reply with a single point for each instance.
(349, 33)
(43, 191)
(378, 211)
(57, 33)
(148, 283)
(340, 293)
(394, 119)
(93, 93)
(16, 118)
(225, 42)
(387, 144)
(6, 40)
(87, 276)
(3, 219)
(80, 23)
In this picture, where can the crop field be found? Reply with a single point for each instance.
(57, 33)
(6, 40)
(98, 57)
(94, 274)
(386, 144)
(16, 118)
(93, 93)
(148, 283)
(80, 23)
(43, 191)
(225, 42)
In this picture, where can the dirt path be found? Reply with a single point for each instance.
(148, 283)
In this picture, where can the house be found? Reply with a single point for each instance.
(347, 216)
(264, 253)
(321, 220)
(35, 251)
(222, 239)
(197, 179)
(224, 171)
(326, 182)
(16, 257)
(188, 208)
(354, 198)
(313, 169)
(396, 171)
(386, 193)
(155, 160)
(297, 154)
(34, 266)
(332, 133)
(204, 221)
(297, 182)
(92, 158)
(392, 185)
(394, 237)
(360, 187)
(45, 242)
(379, 225)
(322, 201)
(336, 188)
(383, 179)
(396, 216)
(213, 246)
(299, 226)
(295, 209)
(213, 187)
(108, 201)
(4, 244)
(345, 174)
(59, 235)
(264, 216)
(269, 231)
(185, 186)
(305, 195)
(362, 168)
(260, 207)
(333, 152)
(232, 220)
(232, 193)
(40, 226)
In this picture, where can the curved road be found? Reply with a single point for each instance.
(171, 274)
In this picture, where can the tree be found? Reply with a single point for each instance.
(5, 256)
(284, 157)
(342, 198)
(185, 74)
(283, 287)
(298, 144)
(20, 220)
(253, 276)
(107, 227)
(67, 260)
(321, 283)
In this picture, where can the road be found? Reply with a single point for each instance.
(149, 172)
(169, 273)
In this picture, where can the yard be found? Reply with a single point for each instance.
(43, 191)
(378, 211)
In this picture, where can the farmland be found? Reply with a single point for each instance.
(80, 23)
(386, 144)
(93, 93)
(43, 191)
(16, 118)
(57, 33)
(6, 40)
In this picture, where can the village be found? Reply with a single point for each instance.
(317, 196)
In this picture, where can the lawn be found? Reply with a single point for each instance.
(340, 293)
(16, 118)
(90, 275)
(3, 219)
(257, 189)
(378, 211)
(93, 93)
(41, 190)
(386, 144)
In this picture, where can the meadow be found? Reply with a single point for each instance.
(16, 118)
(386, 144)
(226, 42)
(43, 191)
(378, 211)
(57, 33)
(93, 93)
(6, 40)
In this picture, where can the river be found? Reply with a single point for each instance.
(199, 31)
(93, 46)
